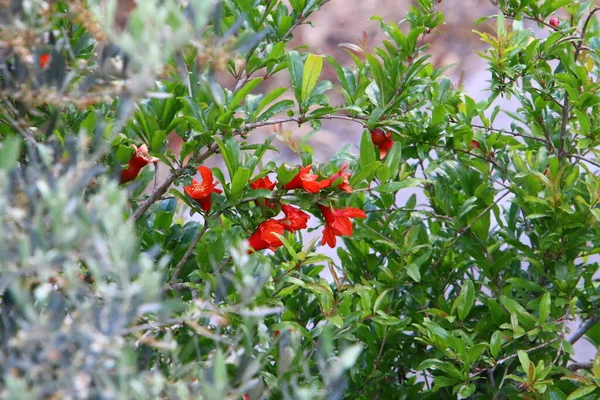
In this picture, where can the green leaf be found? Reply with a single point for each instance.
(442, 382)
(337, 321)
(285, 175)
(514, 307)
(239, 182)
(496, 343)
(392, 187)
(219, 369)
(466, 390)
(413, 272)
(288, 246)
(545, 303)
(363, 173)
(10, 151)
(158, 140)
(438, 115)
(379, 78)
(276, 108)
(230, 151)
(524, 360)
(242, 93)
(464, 301)
(582, 392)
(380, 298)
(295, 67)
(310, 75)
(435, 364)
(269, 98)
(367, 150)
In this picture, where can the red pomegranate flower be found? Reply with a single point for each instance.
(344, 185)
(295, 219)
(201, 191)
(383, 141)
(337, 222)
(304, 179)
(139, 160)
(264, 238)
(44, 60)
(264, 183)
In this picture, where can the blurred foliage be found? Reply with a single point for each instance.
(113, 290)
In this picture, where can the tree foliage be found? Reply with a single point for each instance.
(117, 282)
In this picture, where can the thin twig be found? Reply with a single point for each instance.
(594, 163)
(415, 210)
(300, 119)
(496, 397)
(189, 251)
(508, 358)
(213, 148)
(486, 159)
(512, 133)
(162, 189)
(584, 29)
(156, 194)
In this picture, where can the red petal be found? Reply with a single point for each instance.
(44, 59)
(205, 203)
(327, 213)
(328, 237)
(206, 174)
(263, 183)
(325, 183)
(311, 186)
(296, 219)
(129, 173)
(196, 190)
(267, 229)
(256, 242)
(297, 181)
(352, 212)
(345, 187)
(342, 226)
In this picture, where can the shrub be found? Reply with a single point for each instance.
(206, 284)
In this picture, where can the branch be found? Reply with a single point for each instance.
(584, 29)
(244, 76)
(298, 119)
(594, 163)
(512, 133)
(189, 251)
(213, 148)
(486, 159)
(578, 366)
(162, 189)
(566, 114)
(197, 238)
(508, 358)
(415, 210)
(587, 325)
